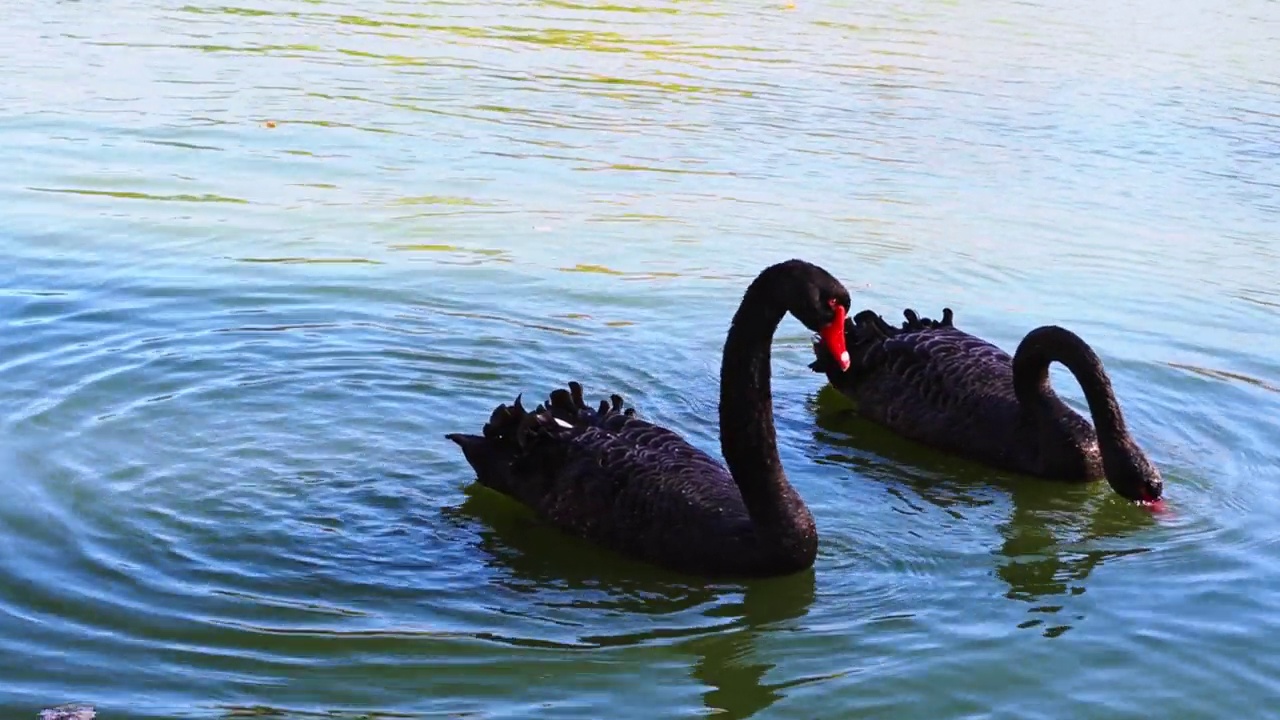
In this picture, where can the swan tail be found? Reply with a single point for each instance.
(520, 450)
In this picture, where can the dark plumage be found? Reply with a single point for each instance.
(606, 475)
(943, 387)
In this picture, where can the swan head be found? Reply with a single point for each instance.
(822, 303)
(1131, 474)
(810, 293)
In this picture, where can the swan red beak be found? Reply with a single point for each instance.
(832, 335)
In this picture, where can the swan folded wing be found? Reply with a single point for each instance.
(949, 365)
(926, 377)
(645, 481)
(605, 473)
(948, 358)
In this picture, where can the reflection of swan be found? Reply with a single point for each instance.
(943, 387)
(716, 623)
(1046, 547)
(535, 560)
(1046, 552)
(608, 476)
(724, 661)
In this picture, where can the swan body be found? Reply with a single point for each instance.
(938, 385)
(607, 475)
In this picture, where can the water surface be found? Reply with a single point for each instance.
(257, 259)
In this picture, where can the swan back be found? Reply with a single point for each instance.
(607, 475)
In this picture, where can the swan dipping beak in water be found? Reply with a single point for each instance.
(935, 384)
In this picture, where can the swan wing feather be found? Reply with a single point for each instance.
(926, 379)
(605, 473)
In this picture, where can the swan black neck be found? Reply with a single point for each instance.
(1051, 343)
(1126, 467)
(748, 439)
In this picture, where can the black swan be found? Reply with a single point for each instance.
(606, 475)
(943, 387)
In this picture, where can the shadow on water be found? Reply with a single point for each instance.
(717, 623)
(1055, 534)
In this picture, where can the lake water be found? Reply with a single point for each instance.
(256, 259)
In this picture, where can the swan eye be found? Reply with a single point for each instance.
(816, 338)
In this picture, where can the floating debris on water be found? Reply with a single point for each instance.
(71, 711)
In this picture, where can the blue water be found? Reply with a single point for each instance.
(256, 260)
